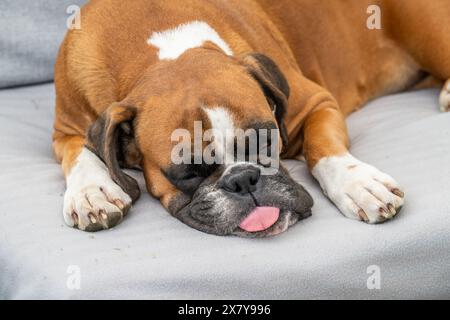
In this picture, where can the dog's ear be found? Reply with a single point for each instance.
(111, 138)
(275, 86)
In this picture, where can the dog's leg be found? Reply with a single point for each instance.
(358, 189)
(422, 28)
(93, 201)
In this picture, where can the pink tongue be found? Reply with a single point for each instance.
(260, 219)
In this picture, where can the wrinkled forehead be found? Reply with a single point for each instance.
(228, 120)
(222, 140)
(233, 132)
(225, 118)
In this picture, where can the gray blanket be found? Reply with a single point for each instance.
(152, 255)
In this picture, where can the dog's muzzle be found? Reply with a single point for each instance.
(239, 200)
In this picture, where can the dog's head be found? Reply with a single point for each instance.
(176, 126)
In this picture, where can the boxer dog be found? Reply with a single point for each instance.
(138, 70)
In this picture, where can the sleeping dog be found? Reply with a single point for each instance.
(138, 70)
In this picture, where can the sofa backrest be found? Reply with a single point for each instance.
(30, 35)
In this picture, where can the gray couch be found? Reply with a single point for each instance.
(152, 255)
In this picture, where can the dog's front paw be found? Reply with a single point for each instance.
(359, 190)
(444, 98)
(93, 201)
(93, 207)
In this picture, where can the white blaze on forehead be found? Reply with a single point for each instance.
(224, 133)
(222, 124)
(174, 42)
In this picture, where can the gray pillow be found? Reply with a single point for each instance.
(30, 35)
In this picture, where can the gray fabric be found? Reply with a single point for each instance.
(152, 255)
(30, 34)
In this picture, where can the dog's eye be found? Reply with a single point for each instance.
(188, 182)
(189, 175)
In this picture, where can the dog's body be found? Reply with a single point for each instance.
(141, 69)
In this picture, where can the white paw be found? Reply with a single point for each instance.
(444, 98)
(93, 201)
(359, 190)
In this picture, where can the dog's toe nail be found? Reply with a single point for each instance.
(384, 213)
(363, 215)
(119, 204)
(103, 215)
(398, 192)
(74, 217)
(92, 218)
(391, 208)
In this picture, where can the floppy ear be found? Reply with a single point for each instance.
(109, 138)
(275, 86)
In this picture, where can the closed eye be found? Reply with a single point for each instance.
(189, 175)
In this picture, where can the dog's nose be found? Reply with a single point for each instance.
(241, 179)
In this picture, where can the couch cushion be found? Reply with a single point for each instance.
(153, 255)
(31, 32)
